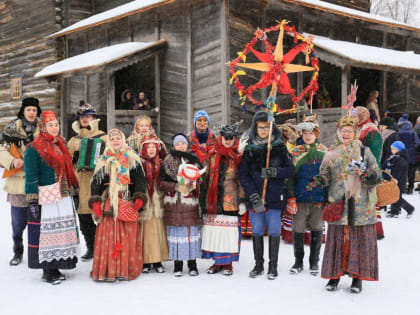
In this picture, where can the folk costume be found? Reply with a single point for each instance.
(252, 173)
(289, 136)
(53, 239)
(307, 159)
(82, 147)
(16, 135)
(220, 205)
(136, 138)
(118, 194)
(351, 245)
(370, 137)
(201, 143)
(181, 210)
(155, 243)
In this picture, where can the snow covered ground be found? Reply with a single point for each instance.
(22, 292)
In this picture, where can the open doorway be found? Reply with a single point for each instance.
(367, 80)
(135, 86)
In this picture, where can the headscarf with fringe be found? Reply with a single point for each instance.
(117, 164)
(345, 153)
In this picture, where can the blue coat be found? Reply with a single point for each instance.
(308, 161)
(253, 160)
(410, 139)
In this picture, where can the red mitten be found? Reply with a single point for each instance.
(97, 208)
(138, 204)
(291, 205)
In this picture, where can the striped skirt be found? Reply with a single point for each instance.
(351, 250)
(184, 242)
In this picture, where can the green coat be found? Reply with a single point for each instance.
(38, 173)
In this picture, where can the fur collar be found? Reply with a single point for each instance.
(85, 132)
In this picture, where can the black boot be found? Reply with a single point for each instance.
(88, 228)
(158, 267)
(356, 286)
(298, 242)
(315, 248)
(58, 274)
(192, 267)
(258, 246)
(332, 284)
(49, 277)
(88, 255)
(178, 265)
(273, 255)
(147, 268)
(17, 257)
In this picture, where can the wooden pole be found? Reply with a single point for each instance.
(267, 161)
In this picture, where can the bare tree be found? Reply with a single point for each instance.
(405, 11)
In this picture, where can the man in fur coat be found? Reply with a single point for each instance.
(86, 125)
(17, 134)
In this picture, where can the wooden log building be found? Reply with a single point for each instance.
(180, 63)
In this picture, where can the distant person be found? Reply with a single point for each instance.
(141, 102)
(410, 139)
(389, 133)
(126, 100)
(372, 106)
(397, 164)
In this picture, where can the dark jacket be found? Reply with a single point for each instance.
(179, 210)
(253, 160)
(391, 136)
(126, 103)
(398, 164)
(410, 139)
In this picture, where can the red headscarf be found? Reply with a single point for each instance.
(232, 158)
(151, 166)
(54, 152)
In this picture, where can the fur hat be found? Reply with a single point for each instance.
(348, 121)
(85, 109)
(26, 102)
(309, 124)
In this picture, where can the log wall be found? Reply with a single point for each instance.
(24, 51)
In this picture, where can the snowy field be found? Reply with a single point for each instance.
(397, 292)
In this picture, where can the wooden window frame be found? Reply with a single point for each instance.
(16, 88)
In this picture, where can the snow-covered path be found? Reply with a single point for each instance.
(22, 292)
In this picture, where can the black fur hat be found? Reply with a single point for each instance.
(29, 101)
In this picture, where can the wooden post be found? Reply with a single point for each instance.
(110, 108)
(224, 39)
(345, 79)
(157, 90)
(189, 75)
(267, 162)
(383, 87)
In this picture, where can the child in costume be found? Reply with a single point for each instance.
(181, 206)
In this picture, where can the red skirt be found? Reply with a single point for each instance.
(351, 250)
(129, 264)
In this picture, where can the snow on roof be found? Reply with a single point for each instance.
(365, 55)
(338, 9)
(109, 15)
(96, 58)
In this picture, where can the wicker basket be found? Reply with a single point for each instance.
(387, 191)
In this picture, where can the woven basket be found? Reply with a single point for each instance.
(387, 191)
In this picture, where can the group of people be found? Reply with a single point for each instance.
(139, 101)
(139, 204)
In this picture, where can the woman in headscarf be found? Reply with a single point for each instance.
(155, 243)
(118, 195)
(350, 172)
(52, 228)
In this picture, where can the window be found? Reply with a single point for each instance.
(16, 88)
